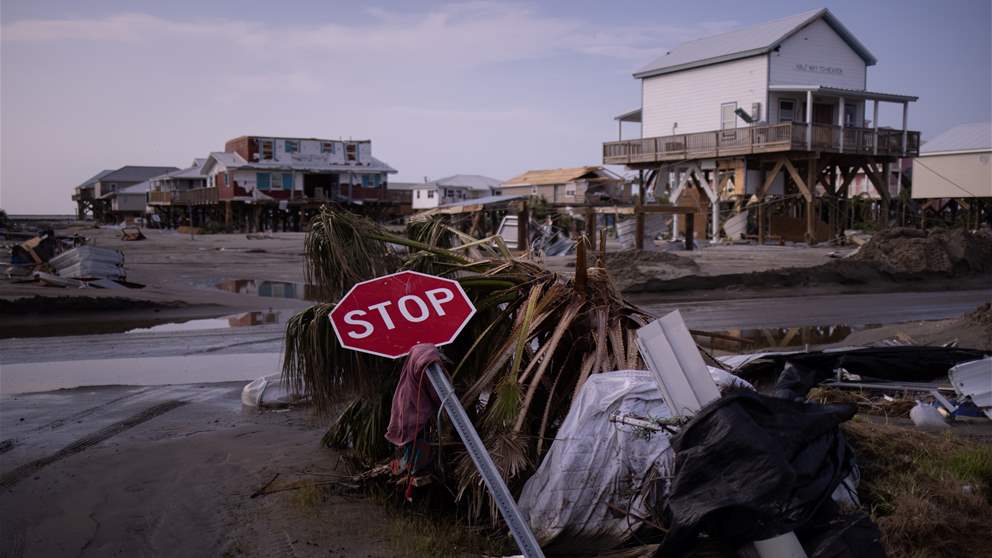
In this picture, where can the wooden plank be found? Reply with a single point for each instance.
(798, 179)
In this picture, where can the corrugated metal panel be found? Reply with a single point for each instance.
(974, 379)
(965, 137)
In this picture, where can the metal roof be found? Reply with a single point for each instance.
(746, 42)
(135, 173)
(470, 181)
(487, 200)
(629, 116)
(227, 159)
(848, 93)
(91, 182)
(403, 185)
(976, 136)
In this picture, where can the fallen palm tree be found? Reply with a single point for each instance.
(535, 338)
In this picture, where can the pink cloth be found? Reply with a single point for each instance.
(414, 402)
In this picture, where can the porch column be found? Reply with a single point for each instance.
(874, 124)
(840, 122)
(809, 120)
(905, 119)
(619, 130)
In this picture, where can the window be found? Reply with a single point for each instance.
(292, 146)
(327, 147)
(430, 193)
(366, 181)
(786, 110)
(266, 149)
(728, 116)
(262, 180)
(418, 194)
(225, 179)
(287, 181)
(351, 152)
(570, 189)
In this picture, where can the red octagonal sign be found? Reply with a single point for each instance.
(388, 315)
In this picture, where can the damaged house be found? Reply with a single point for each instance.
(588, 184)
(264, 182)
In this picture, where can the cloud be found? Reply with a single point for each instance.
(477, 87)
(461, 34)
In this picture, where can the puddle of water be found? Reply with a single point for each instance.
(742, 340)
(147, 371)
(246, 319)
(273, 289)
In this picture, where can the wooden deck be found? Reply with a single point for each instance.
(196, 196)
(790, 136)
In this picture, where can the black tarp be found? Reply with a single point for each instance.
(893, 364)
(749, 467)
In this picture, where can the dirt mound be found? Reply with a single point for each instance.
(628, 268)
(617, 260)
(982, 316)
(946, 251)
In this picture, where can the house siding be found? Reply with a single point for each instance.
(817, 55)
(692, 98)
(948, 176)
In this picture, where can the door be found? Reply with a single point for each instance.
(823, 113)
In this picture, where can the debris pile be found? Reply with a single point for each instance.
(945, 251)
(90, 262)
(601, 452)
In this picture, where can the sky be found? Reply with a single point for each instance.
(493, 88)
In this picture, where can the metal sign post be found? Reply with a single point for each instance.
(477, 451)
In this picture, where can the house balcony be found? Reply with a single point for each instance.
(774, 138)
(196, 196)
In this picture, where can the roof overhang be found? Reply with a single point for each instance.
(955, 152)
(631, 116)
(846, 93)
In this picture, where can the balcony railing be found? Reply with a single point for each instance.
(196, 196)
(789, 136)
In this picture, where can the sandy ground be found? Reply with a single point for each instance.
(170, 471)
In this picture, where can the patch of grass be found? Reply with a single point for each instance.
(309, 497)
(415, 535)
(414, 530)
(930, 494)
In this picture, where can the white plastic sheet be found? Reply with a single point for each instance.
(594, 463)
(267, 391)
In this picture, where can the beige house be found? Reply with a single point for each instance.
(571, 185)
(955, 164)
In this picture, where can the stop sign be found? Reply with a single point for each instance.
(388, 315)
